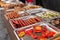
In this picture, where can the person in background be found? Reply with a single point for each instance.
(37, 2)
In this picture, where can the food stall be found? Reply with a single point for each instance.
(30, 22)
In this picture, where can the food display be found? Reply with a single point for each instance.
(19, 9)
(11, 5)
(6, 6)
(28, 22)
(48, 14)
(36, 32)
(13, 14)
(31, 7)
(55, 22)
(24, 21)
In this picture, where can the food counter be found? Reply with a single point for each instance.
(9, 28)
(31, 23)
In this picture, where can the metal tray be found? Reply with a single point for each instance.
(32, 11)
(24, 18)
(26, 37)
(36, 10)
(46, 19)
(21, 13)
(29, 12)
(54, 19)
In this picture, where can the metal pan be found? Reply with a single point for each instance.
(20, 14)
(46, 18)
(26, 37)
(55, 22)
(24, 18)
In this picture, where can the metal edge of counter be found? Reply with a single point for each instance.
(9, 28)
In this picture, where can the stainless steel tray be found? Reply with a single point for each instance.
(24, 18)
(32, 11)
(20, 14)
(31, 27)
(36, 10)
(47, 19)
(54, 19)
